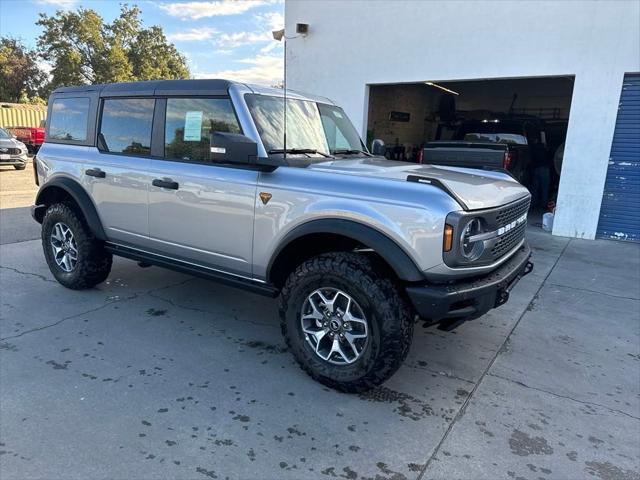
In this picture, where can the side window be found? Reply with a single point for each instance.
(126, 126)
(69, 119)
(335, 137)
(189, 122)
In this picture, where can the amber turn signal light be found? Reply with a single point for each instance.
(448, 238)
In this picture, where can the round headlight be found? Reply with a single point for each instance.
(469, 249)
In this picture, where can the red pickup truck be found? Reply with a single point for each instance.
(32, 137)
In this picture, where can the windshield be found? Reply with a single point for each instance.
(311, 127)
(4, 134)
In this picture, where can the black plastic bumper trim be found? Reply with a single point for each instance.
(472, 298)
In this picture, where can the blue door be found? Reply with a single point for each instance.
(620, 210)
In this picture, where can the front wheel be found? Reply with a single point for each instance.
(20, 167)
(75, 257)
(346, 321)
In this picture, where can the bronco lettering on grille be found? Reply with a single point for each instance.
(518, 221)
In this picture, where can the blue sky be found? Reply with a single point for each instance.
(220, 38)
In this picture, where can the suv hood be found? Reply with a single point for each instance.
(11, 143)
(478, 189)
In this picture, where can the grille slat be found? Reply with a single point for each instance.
(509, 214)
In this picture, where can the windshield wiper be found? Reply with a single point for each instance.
(298, 150)
(346, 151)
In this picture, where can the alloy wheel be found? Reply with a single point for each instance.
(63, 244)
(334, 326)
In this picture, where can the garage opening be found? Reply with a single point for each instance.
(518, 124)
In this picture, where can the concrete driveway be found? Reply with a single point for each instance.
(155, 374)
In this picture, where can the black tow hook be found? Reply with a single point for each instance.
(528, 268)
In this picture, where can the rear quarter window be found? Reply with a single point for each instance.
(69, 119)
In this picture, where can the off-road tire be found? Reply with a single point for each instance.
(94, 262)
(19, 167)
(388, 312)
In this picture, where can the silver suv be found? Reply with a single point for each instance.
(199, 176)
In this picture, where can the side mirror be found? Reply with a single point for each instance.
(377, 147)
(232, 148)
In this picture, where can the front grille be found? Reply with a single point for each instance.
(10, 151)
(508, 240)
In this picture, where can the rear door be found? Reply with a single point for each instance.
(117, 171)
(200, 211)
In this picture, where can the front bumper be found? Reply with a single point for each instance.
(13, 159)
(467, 299)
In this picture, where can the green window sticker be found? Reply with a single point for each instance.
(193, 126)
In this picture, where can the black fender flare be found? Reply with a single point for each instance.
(79, 195)
(401, 263)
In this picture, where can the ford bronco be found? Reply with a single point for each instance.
(201, 177)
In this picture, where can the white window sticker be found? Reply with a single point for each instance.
(337, 114)
(193, 127)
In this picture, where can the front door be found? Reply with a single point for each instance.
(201, 211)
(116, 174)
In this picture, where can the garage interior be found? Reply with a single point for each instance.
(407, 115)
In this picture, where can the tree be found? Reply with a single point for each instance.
(21, 79)
(82, 48)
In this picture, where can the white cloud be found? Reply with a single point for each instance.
(64, 4)
(270, 47)
(196, 10)
(232, 40)
(263, 69)
(275, 20)
(194, 34)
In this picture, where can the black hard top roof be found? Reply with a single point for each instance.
(154, 87)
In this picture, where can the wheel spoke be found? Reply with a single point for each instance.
(315, 314)
(57, 233)
(66, 261)
(350, 318)
(350, 340)
(336, 348)
(328, 303)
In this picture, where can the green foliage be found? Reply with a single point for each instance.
(84, 49)
(20, 77)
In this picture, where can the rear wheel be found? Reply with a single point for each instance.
(346, 322)
(75, 257)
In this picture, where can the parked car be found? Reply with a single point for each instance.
(32, 137)
(194, 175)
(12, 151)
(511, 144)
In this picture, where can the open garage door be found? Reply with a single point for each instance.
(526, 119)
(620, 210)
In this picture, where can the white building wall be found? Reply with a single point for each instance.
(354, 43)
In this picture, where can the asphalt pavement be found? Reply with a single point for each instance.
(155, 374)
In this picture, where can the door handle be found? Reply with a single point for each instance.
(165, 183)
(95, 172)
